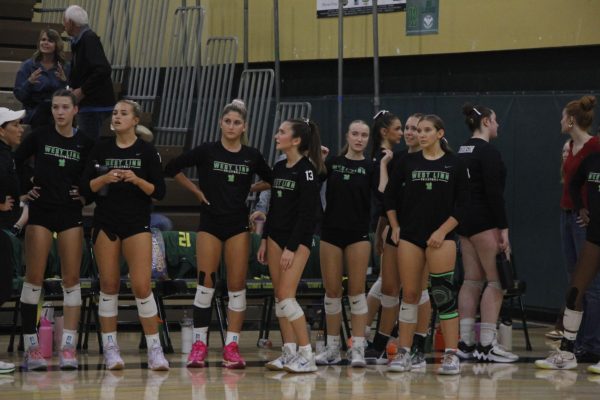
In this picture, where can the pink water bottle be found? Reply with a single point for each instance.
(45, 337)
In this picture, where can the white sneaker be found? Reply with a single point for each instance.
(595, 369)
(495, 353)
(558, 360)
(418, 360)
(401, 363)
(356, 356)
(330, 356)
(6, 367)
(301, 363)
(112, 357)
(450, 364)
(156, 359)
(281, 361)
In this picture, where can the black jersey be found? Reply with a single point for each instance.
(225, 177)
(58, 165)
(587, 174)
(9, 186)
(377, 209)
(431, 190)
(294, 201)
(123, 203)
(348, 195)
(487, 178)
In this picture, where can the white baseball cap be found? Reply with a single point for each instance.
(7, 115)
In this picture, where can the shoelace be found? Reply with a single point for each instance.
(157, 354)
(234, 352)
(68, 353)
(448, 359)
(35, 354)
(197, 350)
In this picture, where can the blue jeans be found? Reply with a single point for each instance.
(573, 236)
(91, 122)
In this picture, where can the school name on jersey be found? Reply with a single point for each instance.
(594, 177)
(345, 170)
(466, 149)
(62, 153)
(430, 176)
(284, 184)
(227, 168)
(124, 163)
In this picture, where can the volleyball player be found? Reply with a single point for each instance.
(124, 174)
(226, 169)
(60, 153)
(287, 236)
(345, 240)
(483, 234)
(434, 188)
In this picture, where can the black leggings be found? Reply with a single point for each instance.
(586, 269)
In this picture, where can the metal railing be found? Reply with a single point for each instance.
(256, 89)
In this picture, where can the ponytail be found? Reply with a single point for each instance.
(474, 114)
(310, 141)
(382, 120)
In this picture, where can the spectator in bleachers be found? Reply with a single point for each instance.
(90, 73)
(40, 76)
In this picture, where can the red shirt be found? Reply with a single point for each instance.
(570, 167)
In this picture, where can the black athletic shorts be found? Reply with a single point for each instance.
(282, 238)
(115, 232)
(223, 228)
(420, 240)
(54, 218)
(477, 220)
(343, 238)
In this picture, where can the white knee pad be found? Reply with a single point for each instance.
(30, 294)
(408, 313)
(146, 307)
(237, 301)
(290, 309)
(72, 296)
(203, 297)
(472, 283)
(424, 297)
(358, 304)
(495, 285)
(333, 305)
(389, 301)
(278, 313)
(108, 305)
(375, 290)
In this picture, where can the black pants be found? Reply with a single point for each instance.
(6, 266)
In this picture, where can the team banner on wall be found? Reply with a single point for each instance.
(329, 8)
(422, 17)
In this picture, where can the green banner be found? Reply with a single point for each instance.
(422, 17)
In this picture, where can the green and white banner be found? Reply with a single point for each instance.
(329, 8)
(422, 17)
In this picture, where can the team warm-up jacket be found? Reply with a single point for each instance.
(431, 190)
(294, 202)
(124, 203)
(59, 164)
(487, 178)
(224, 177)
(349, 187)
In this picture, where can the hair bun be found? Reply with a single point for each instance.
(238, 103)
(588, 103)
(144, 133)
(467, 109)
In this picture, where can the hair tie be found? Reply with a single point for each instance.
(380, 113)
(476, 111)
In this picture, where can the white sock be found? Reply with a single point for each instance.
(305, 351)
(30, 341)
(359, 341)
(232, 337)
(152, 340)
(333, 341)
(200, 334)
(466, 331)
(69, 338)
(291, 347)
(109, 337)
(367, 332)
(487, 333)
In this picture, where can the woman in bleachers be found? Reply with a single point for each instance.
(60, 152)
(39, 77)
(124, 174)
(226, 169)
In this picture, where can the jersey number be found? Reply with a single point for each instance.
(309, 175)
(184, 239)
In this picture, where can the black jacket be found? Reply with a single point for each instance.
(90, 71)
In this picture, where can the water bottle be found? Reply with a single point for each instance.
(45, 337)
(320, 342)
(265, 343)
(505, 334)
(187, 328)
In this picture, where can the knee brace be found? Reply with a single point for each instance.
(30, 294)
(473, 283)
(424, 297)
(146, 307)
(358, 304)
(72, 296)
(495, 285)
(442, 290)
(571, 323)
(278, 313)
(237, 301)
(290, 309)
(109, 305)
(375, 290)
(389, 301)
(333, 305)
(408, 313)
(203, 297)
(570, 301)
